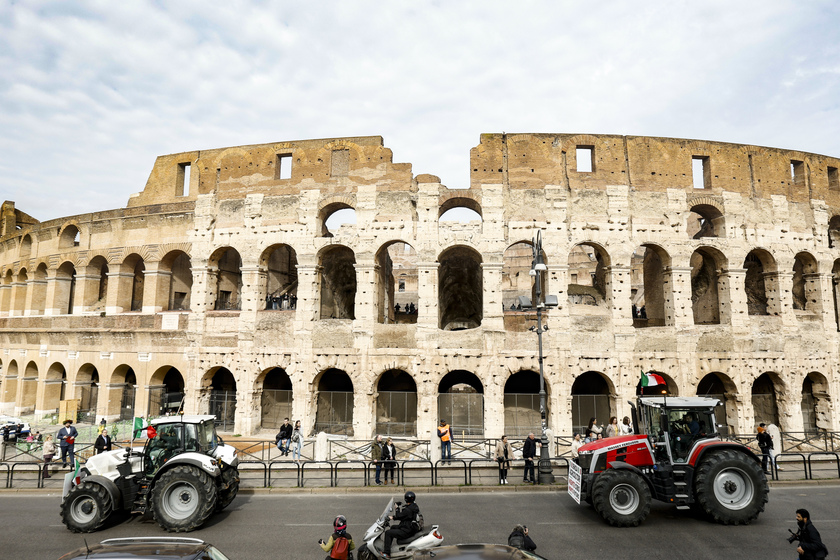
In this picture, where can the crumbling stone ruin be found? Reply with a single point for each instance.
(228, 283)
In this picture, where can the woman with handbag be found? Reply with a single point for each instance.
(49, 453)
(504, 453)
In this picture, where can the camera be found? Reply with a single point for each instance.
(793, 537)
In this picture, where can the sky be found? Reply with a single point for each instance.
(92, 91)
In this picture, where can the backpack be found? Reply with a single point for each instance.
(296, 437)
(517, 540)
(340, 549)
(418, 522)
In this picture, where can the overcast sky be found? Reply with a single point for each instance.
(91, 92)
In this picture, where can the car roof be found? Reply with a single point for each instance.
(677, 402)
(159, 548)
(186, 418)
(477, 551)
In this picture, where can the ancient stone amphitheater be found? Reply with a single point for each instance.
(321, 281)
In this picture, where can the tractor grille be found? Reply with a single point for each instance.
(584, 460)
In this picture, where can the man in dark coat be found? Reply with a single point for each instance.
(284, 436)
(811, 546)
(529, 451)
(103, 442)
(406, 516)
(67, 440)
(765, 443)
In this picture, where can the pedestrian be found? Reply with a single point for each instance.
(444, 432)
(407, 516)
(297, 442)
(593, 430)
(389, 456)
(529, 451)
(576, 444)
(520, 539)
(376, 457)
(810, 544)
(284, 436)
(626, 426)
(67, 440)
(612, 428)
(341, 542)
(504, 453)
(103, 442)
(49, 453)
(765, 443)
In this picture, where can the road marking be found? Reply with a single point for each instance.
(298, 524)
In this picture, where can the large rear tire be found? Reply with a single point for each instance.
(621, 497)
(731, 488)
(86, 508)
(183, 498)
(230, 477)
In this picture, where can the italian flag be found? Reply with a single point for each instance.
(651, 379)
(142, 428)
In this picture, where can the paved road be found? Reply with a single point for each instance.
(260, 526)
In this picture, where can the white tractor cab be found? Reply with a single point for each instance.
(182, 475)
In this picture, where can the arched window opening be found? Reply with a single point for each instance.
(87, 391)
(670, 388)
(166, 392)
(222, 402)
(806, 284)
(719, 386)
(26, 246)
(54, 388)
(69, 237)
(333, 216)
(130, 284)
(588, 279)
(396, 404)
(281, 278)
(764, 403)
(95, 286)
(65, 288)
(705, 302)
(591, 398)
(334, 413)
(122, 391)
(396, 284)
(461, 403)
(460, 299)
(228, 280)
(179, 266)
(816, 404)
(705, 220)
(19, 293)
(10, 384)
(39, 290)
(517, 281)
(6, 293)
(522, 404)
(761, 284)
(338, 283)
(276, 398)
(28, 388)
(834, 232)
(462, 210)
(647, 287)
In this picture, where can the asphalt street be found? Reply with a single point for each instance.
(262, 526)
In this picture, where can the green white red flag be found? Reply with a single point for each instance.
(651, 379)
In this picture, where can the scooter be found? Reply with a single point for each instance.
(374, 544)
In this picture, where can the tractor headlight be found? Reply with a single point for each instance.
(585, 460)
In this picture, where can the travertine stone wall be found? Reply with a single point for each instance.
(737, 271)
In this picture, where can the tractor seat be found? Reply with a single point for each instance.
(412, 538)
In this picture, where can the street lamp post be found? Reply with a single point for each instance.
(537, 268)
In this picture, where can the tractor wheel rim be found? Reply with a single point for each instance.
(83, 509)
(624, 499)
(181, 500)
(733, 489)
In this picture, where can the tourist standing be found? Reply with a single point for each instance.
(529, 451)
(49, 453)
(67, 440)
(297, 442)
(389, 460)
(103, 442)
(376, 457)
(504, 453)
(444, 432)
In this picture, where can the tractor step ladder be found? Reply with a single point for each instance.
(141, 501)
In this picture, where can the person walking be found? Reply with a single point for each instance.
(504, 453)
(67, 440)
(576, 444)
(284, 436)
(612, 428)
(520, 539)
(389, 460)
(444, 432)
(376, 457)
(297, 442)
(103, 442)
(810, 546)
(765, 443)
(341, 542)
(529, 451)
(49, 453)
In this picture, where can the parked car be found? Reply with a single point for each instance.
(13, 428)
(475, 552)
(149, 548)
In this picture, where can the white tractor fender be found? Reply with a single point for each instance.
(109, 487)
(205, 463)
(227, 453)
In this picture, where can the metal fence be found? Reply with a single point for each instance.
(396, 413)
(223, 405)
(276, 405)
(335, 412)
(464, 412)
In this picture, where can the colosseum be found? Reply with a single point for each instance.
(229, 284)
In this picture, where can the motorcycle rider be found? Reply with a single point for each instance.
(406, 516)
(340, 530)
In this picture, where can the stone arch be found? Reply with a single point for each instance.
(25, 248)
(334, 402)
(221, 384)
(228, 264)
(95, 290)
(459, 199)
(396, 403)
(10, 387)
(281, 279)
(330, 206)
(834, 232)
(806, 292)
(396, 283)
(39, 290)
(671, 388)
(69, 237)
(166, 391)
(461, 402)
(720, 386)
(593, 396)
(130, 283)
(651, 294)
(460, 289)
(86, 389)
(122, 390)
(765, 401)
(27, 390)
(65, 288)
(517, 261)
(6, 293)
(177, 265)
(761, 284)
(338, 282)
(706, 262)
(275, 389)
(522, 403)
(816, 403)
(55, 384)
(705, 219)
(589, 278)
(19, 289)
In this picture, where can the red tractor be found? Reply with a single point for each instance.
(676, 456)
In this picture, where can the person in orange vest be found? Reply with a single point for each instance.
(445, 434)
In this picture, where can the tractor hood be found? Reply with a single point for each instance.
(610, 442)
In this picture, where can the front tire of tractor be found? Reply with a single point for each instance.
(183, 498)
(731, 487)
(86, 508)
(231, 477)
(621, 497)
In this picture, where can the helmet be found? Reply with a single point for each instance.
(410, 497)
(340, 523)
